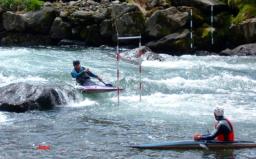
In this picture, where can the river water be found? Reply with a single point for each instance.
(179, 96)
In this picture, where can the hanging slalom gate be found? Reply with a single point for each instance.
(191, 29)
(212, 30)
(212, 27)
(123, 38)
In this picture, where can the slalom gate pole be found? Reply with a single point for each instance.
(212, 38)
(118, 64)
(118, 70)
(191, 29)
(140, 69)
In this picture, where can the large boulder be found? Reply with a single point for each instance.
(14, 22)
(34, 22)
(165, 22)
(60, 29)
(244, 32)
(40, 21)
(174, 42)
(128, 19)
(89, 17)
(24, 39)
(1, 20)
(21, 97)
(204, 5)
(107, 30)
(242, 50)
(91, 35)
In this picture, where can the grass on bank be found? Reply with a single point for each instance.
(21, 5)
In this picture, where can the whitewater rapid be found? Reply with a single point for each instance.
(179, 95)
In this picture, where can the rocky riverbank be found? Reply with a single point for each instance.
(164, 25)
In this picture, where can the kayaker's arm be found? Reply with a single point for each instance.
(214, 134)
(93, 75)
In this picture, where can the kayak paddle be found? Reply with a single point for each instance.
(204, 146)
(108, 85)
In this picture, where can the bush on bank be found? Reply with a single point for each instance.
(21, 5)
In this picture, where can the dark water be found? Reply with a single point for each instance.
(178, 99)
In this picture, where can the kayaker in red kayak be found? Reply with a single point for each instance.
(223, 132)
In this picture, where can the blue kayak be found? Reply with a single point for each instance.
(186, 145)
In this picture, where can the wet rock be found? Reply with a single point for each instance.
(165, 22)
(242, 50)
(67, 42)
(133, 56)
(21, 97)
(174, 42)
(60, 29)
(244, 32)
(129, 20)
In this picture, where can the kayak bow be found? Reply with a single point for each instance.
(184, 145)
(98, 89)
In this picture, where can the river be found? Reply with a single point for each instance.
(179, 95)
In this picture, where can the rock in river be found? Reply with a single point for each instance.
(243, 50)
(21, 97)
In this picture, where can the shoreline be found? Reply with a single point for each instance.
(163, 27)
(242, 50)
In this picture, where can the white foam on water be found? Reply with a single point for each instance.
(84, 103)
(6, 80)
(3, 118)
(169, 64)
(189, 105)
(212, 82)
(196, 62)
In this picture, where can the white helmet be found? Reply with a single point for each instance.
(219, 111)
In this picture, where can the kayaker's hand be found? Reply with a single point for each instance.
(86, 70)
(197, 137)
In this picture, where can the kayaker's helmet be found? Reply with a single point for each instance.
(76, 62)
(218, 113)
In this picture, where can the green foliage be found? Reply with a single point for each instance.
(19, 5)
(247, 9)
